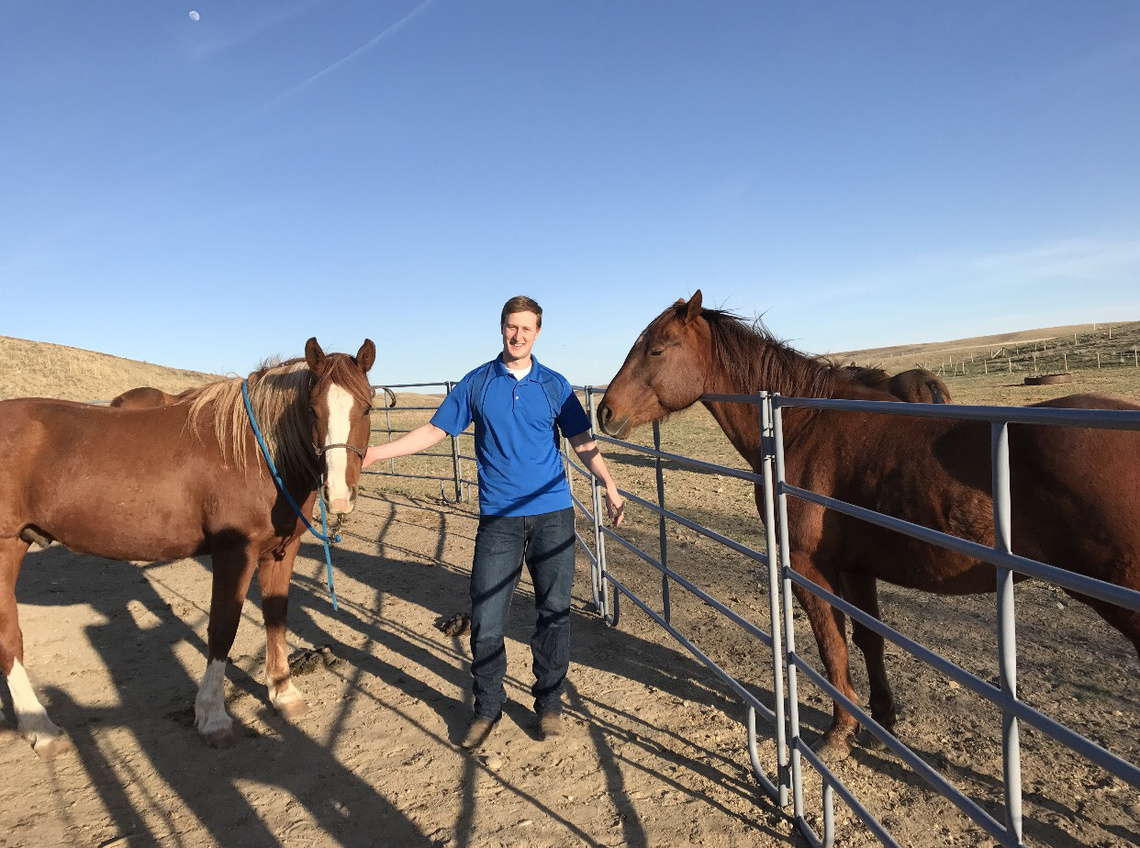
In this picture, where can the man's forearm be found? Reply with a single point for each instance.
(591, 456)
(414, 441)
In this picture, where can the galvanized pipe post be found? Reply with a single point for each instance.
(1007, 625)
(663, 543)
(787, 600)
(601, 590)
(457, 469)
(388, 424)
(768, 457)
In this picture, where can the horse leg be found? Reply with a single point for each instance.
(828, 625)
(233, 569)
(31, 718)
(1125, 620)
(273, 575)
(862, 592)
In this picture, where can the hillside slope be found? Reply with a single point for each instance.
(42, 369)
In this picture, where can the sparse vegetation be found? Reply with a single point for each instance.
(992, 370)
(41, 369)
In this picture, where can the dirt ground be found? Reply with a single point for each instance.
(654, 753)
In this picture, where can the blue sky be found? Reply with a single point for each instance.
(206, 194)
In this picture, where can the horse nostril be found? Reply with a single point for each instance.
(352, 494)
(604, 414)
(325, 492)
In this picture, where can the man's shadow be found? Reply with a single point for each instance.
(443, 587)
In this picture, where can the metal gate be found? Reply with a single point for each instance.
(786, 784)
(792, 750)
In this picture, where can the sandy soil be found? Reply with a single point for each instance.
(654, 753)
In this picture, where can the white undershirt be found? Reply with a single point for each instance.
(519, 373)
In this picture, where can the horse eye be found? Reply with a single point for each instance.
(367, 411)
(657, 351)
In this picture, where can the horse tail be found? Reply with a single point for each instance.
(936, 395)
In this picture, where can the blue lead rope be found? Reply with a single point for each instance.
(324, 537)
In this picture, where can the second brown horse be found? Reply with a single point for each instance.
(1076, 492)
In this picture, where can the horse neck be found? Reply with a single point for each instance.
(754, 364)
(282, 417)
(741, 423)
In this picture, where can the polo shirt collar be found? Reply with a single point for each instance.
(501, 369)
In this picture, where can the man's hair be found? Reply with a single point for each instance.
(520, 303)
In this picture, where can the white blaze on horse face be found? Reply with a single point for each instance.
(340, 403)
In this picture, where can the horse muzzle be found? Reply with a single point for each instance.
(610, 424)
(343, 504)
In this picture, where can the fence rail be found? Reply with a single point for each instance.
(787, 782)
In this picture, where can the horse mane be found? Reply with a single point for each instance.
(876, 378)
(279, 395)
(754, 359)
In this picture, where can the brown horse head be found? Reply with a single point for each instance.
(663, 372)
(919, 386)
(689, 350)
(341, 403)
(148, 397)
(144, 397)
(914, 386)
(875, 378)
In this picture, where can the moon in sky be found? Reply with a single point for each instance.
(194, 16)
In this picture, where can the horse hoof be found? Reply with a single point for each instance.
(47, 747)
(833, 748)
(219, 738)
(868, 740)
(292, 709)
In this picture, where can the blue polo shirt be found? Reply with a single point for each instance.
(516, 441)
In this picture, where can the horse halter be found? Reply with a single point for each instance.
(358, 451)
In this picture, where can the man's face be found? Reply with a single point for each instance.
(519, 333)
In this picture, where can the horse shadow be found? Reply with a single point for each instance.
(157, 709)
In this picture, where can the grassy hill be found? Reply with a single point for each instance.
(41, 369)
(985, 369)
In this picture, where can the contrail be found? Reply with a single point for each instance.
(416, 12)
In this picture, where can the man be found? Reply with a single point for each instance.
(525, 512)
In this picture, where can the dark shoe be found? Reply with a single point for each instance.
(478, 732)
(550, 725)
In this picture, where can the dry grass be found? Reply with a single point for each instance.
(40, 369)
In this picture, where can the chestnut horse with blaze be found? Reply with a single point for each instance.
(1075, 492)
(184, 480)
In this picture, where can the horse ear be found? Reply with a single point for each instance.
(313, 353)
(693, 307)
(366, 356)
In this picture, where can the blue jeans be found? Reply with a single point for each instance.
(546, 543)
